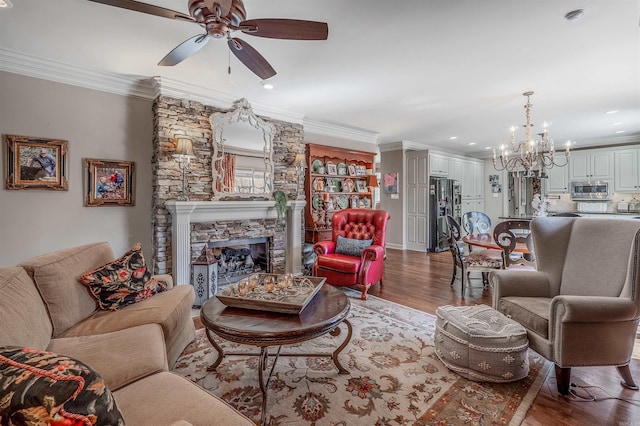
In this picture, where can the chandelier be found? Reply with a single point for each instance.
(531, 155)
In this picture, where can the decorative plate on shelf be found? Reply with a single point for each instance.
(337, 185)
(315, 202)
(366, 202)
(342, 169)
(315, 165)
(343, 201)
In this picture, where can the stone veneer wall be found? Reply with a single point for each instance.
(173, 118)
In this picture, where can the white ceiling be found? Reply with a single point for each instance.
(409, 70)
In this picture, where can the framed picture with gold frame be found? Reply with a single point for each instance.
(36, 163)
(109, 183)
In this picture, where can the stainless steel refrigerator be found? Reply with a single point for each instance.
(445, 197)
(520, 194)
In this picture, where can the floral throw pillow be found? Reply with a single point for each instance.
(44, 388)
(351, 246)
(122, 282)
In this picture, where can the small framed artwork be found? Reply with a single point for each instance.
(390, 183)
(352, 169)
(361, 186)
(332, 169)
(109, 182)
(36, 163)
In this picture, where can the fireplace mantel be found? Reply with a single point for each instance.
(184, 213)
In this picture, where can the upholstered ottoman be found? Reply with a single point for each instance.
(481, 344)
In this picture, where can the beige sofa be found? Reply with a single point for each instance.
(43, 306)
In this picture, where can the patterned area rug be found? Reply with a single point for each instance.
(395, 378)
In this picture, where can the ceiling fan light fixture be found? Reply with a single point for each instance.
(574, 15)
(5, 4)
(267, 85)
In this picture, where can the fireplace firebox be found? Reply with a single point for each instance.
(223, 263)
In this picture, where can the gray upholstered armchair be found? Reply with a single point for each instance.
(581, 306)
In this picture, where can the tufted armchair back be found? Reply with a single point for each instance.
(361, 224)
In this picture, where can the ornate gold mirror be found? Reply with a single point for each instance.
(242, 160)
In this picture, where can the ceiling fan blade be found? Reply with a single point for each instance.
(251, 58)
(290, 29)
(146, 8)
(184, 50)
(225, 6)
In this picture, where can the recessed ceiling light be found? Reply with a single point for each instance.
(619, 131)
(265, 84)
(5, 4)
(616, 123)
(453, 138)
(613, 111)
(472, 143)
(574, 15)
(487, 147)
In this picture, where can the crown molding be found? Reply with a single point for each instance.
(151, 87)
(180, 90)
(320, 128)
(402, 146)
(47, 69)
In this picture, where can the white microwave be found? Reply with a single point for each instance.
(596, 190)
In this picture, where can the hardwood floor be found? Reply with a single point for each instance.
(421, 281)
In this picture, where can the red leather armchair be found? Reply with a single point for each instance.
(348, 270)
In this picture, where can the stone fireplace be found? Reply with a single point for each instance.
(182, 228)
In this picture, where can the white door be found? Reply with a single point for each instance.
(417, 184)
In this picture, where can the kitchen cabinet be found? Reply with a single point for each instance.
(472, 206)
(472, 179)
(438, 165)
(557, 181)
(627, 176)
(335, 179)
(456, 169)
(591, 165)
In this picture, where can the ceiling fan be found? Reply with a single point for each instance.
(219, 18)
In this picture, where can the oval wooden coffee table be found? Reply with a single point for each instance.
(326, 311)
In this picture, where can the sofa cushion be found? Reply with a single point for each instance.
(122, 282)
(351, 246)
(132, 354)
(185, 401)
(25, 321)
(56, 276)
(47, 388)
(171, 309)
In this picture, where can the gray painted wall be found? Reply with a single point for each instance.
(97, 125)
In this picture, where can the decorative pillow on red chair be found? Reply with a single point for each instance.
(351, 246)
(122, 282)
(44, 388)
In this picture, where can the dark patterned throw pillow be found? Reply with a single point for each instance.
(44, 388)
(122, 282)
(351, 246)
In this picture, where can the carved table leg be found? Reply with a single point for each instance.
(334, 355)
(217, 347)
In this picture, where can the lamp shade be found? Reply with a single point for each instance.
(184, 148)
(372, 181)
(299, 161)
